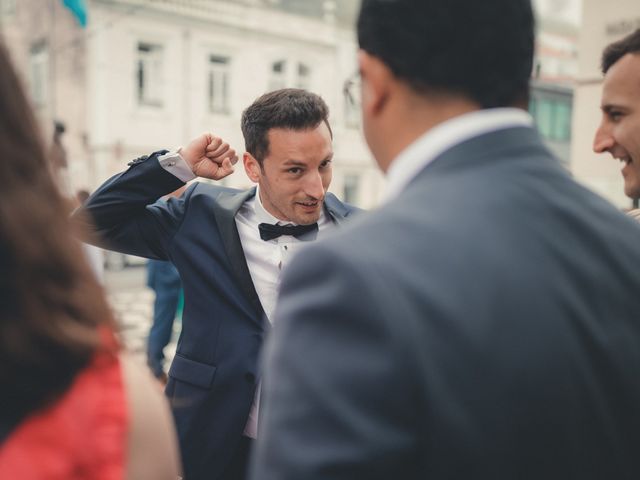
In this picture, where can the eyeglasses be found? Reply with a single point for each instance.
(352, 90)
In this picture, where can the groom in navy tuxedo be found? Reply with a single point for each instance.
(229, 246)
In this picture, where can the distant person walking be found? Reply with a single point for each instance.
(163, 278)
(57, 156)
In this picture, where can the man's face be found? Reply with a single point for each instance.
(619, 131)
(296, 173)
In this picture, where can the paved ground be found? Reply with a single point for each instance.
(132, 303)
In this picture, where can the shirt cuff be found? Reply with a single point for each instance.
(177, 166)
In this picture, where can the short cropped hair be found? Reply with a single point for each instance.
(288, 108)
(617, 50)
(482, 50)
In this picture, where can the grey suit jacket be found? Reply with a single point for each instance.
(484, 324)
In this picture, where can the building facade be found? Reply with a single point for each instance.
(150, 74)
(48, 49)
(551, 106)
(554, 72)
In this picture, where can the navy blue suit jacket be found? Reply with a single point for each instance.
(213, 377)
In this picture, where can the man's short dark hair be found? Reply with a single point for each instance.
(289, 108)
(482, 50)
(617, 50)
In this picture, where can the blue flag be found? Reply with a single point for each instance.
(79, 10)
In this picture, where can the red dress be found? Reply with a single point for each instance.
(80, 437)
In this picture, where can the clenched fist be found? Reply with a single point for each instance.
(209, 157)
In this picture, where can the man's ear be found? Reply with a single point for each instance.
(377, 82)
(252, 167)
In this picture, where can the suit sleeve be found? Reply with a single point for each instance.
(338, 402)
(126, 215)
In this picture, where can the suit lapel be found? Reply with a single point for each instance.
(226, 207)
(337, 210)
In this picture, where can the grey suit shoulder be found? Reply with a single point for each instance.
(485, 314)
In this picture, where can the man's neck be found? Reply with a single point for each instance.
(411, 119)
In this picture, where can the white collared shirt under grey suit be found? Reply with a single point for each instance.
(483, 323)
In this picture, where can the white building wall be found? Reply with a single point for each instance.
(48, 23)
(253, 38)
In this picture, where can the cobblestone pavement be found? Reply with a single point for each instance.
(132, 303)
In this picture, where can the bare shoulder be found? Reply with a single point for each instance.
(152, 447)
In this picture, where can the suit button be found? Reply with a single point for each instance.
(250, 377)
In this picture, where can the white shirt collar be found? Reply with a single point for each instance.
(445, 136)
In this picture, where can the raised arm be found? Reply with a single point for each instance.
(125, 213)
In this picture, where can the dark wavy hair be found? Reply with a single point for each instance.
(482, 50)
(52, 305)
(288, 108)
(617, 50)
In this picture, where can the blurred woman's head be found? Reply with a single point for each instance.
(51, 303)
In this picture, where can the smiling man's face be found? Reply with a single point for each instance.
(295, 174)
(619, 130)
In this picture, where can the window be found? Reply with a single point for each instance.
(552, 117)
(351, 188)
(285, 73)
(218, 84)
(562, 126)
(533, 106)
(544, 117)
(39, 73)
(304, 76)
(278, 75)
(351, 115)
(351, 92)
(150, 75)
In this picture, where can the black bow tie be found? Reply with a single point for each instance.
(269, 232)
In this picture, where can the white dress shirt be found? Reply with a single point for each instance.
(445, 136)
(265, 259)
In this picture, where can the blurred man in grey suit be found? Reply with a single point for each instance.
(483, 323)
